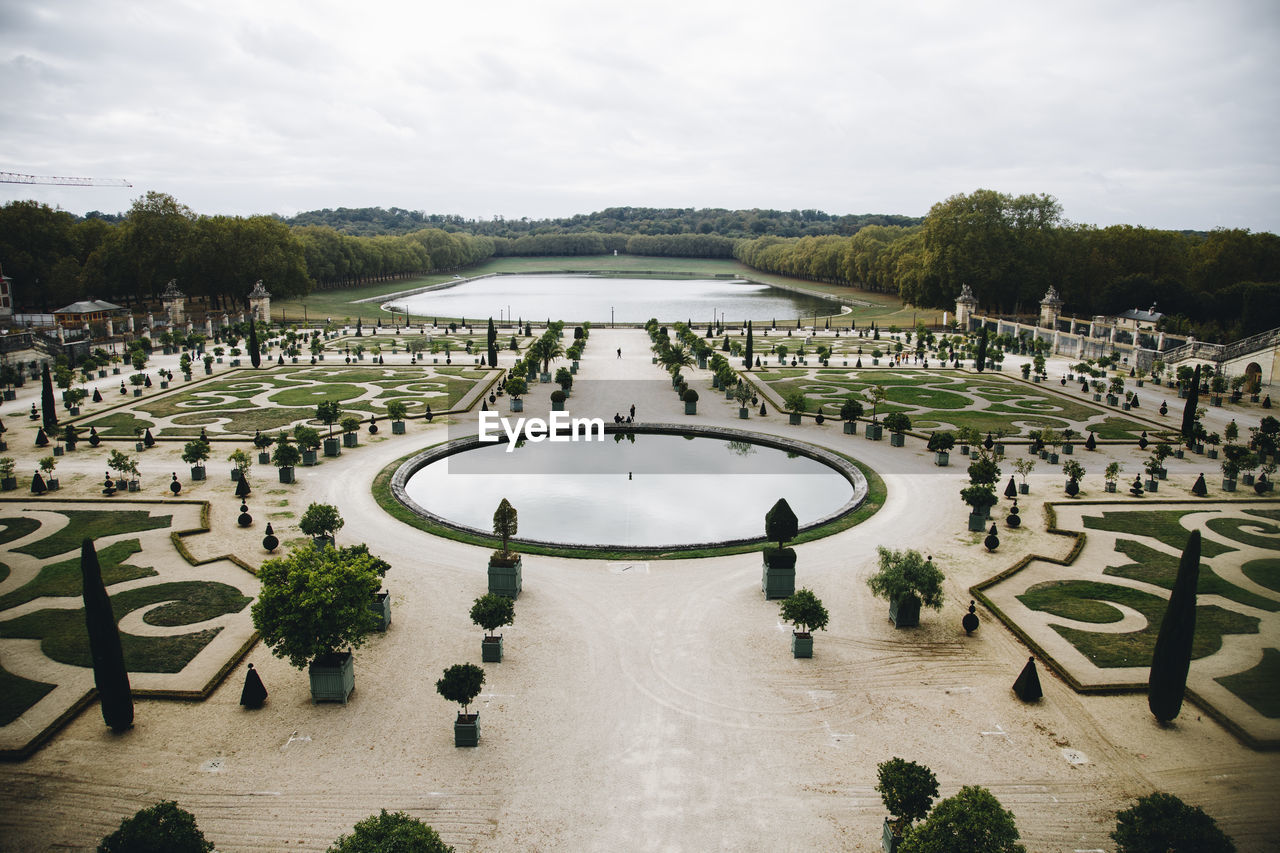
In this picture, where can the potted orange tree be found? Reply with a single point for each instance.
(491, 612)
(461, 683)
(505, 576)
(805, 612)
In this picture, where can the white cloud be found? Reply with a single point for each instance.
(1161, 114)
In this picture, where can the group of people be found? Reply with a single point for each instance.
(619, 419)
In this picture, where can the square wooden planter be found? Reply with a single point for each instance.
(506, 581)
(286, 474)
(333, 677)
(397, 427)
(332, 447)
(491, 649)
(801, 645)
(350, 439)
(905, 612)
(779, 577)
(466, 730)
(381, 607)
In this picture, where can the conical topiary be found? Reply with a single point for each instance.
(1027, 687)
(109, 673)
(1172, 657)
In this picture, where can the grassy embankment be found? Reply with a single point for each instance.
(342, 306)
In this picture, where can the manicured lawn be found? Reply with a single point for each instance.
(17, 694)
(1064, 598)
(1260, 686)
(1161, 569)
(1162, 525)
(92, 524)
(63, 579)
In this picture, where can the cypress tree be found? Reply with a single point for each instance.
(1189, 410)
(980, 357)
(1172, 657)
(48, 408)
(255, 357)
(109, 674)
(750, 346)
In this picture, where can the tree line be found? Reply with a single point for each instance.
(1219, 285)
(644, 221)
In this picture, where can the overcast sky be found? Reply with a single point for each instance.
(1163, 114)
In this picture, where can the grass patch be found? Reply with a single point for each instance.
(93, 524)
(1119, 429)
(118, 424)
(63, 579)
(876, 493)
(15, 527)
(17, 694)
(63, 637)
(1258, 687)
(1264, 573)
(1133, 648)
(1160, 569)
(1162, 525)
(1237, 529)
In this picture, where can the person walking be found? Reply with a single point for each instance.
(619, 352)
(633, 411)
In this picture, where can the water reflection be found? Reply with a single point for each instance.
(635, 490)
(624, 300)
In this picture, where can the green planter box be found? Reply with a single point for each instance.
(888, 841)
(801, 645)
(897, 439)
(350, 439)
(466, 730)
(779, 577)
(308, 457)
(506, 580)
(197, 473)
(333, 677)
(286, 474)
(874, 432)
(397, 427)
(557, 405)
(977, 522)
(517, 405)
(381, 607)
(942, 459)
(794, 418)
(743, 414)
(491, 649)
(332, 447)
(905, 612)
(1227, 486)
(850, 427)
(691, 407)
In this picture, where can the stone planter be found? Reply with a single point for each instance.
(897, 439)
(381, 608)
(942, 459)
(286, 474)
(397, 427)
(779, 577)
(505, 580)
(350, 439)
(332, 447)
(491, 649)
(801, 645)
(333, 677)
(466, 730)
(308, 457)
(905, 612)
(197, 473)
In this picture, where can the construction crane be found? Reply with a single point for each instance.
(16, 178)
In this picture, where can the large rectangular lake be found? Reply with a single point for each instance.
(599, 299)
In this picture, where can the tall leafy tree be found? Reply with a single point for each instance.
(972, 821)
(109, 673)
(1160, 822)
(1172, 658)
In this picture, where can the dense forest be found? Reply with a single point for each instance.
(1219, 285)
(646, 221)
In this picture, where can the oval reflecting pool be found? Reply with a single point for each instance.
(601, 299)
(634, 489)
